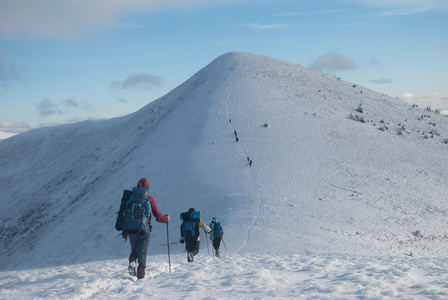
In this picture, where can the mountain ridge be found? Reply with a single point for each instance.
(337, 168)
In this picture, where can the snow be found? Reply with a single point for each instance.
(337, 203)
(238, 277)
(5, 135)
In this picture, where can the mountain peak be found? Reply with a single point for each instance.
(336, 168)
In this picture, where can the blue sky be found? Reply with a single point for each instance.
(64, 61)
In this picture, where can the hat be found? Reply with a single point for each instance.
(143, 183)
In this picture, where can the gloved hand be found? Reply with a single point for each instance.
(168, 217)
(182, 241)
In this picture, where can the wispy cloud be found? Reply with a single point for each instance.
(267, 26)
(381, 81)
(138, 81)
(48, 107)
(435, 101)
(404, 7)
(14, 125)
(333, 61)
(307, 13)
(67, 18)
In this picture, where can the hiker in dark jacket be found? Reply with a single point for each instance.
(216, 234)
(140, 242)
(191, 237)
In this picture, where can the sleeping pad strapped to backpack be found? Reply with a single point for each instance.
(124, 201)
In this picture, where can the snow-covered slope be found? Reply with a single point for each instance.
(325, 177)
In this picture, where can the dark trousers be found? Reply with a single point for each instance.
(216, 243)
(139, 246)
(192, 245)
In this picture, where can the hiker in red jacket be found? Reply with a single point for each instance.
(140, 240)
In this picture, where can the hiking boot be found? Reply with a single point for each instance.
(217, 253)
(190, 257)
(131, 268)
(141, 272)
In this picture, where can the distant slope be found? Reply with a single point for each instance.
(325, 177)
(5, 135)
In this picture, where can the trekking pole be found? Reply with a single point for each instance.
(208, 250)
(168, 243)
(224, 243)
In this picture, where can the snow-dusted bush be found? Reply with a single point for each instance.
(434, 132)
(357, 118)
(401, 130)
(418, 234)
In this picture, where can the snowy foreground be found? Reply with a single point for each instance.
(238, 276)
(346, 197)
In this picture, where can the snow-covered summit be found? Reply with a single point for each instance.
(336, 168)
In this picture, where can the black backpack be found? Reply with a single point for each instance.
(120, 220)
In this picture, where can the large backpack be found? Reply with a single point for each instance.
(136, 215)
(190, 224)
(216, 229)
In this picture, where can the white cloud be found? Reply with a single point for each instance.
(435, 101)
(333, 61)
(307, 13)
(267, 26)
(404, 7)
(68, 18)
(14, 125)
(8, 129)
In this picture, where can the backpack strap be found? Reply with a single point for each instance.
(146, 194)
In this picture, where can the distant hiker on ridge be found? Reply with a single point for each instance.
(137, 225)
(189, 231)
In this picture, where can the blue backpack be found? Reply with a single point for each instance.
(190, 224)
(215, 225)
(137, 212)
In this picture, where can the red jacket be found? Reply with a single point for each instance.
(155, 211)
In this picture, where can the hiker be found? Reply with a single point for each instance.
(189, 231)
(216, 234)
(137, 225)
